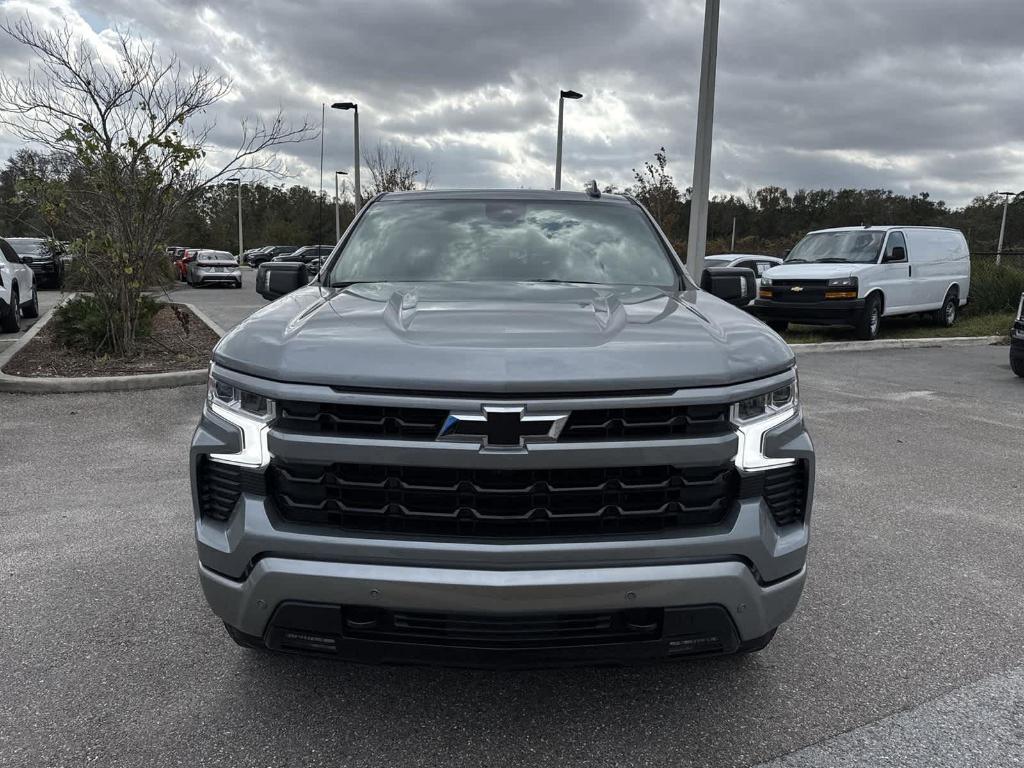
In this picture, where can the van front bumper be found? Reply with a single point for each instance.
(835, 312)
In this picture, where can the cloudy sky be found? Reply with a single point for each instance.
(911, 95)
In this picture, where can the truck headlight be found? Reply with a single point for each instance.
(766, 281)
(250, 412)
(755, 416)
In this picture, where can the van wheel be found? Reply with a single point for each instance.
(870, 319)
(1017, 365)
(779, 326)
(946, 314)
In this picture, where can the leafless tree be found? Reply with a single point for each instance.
(132, 125)
(393, 168)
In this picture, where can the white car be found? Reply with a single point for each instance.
(858, 275)
(210, 267)
(18, 297)
(760, 264)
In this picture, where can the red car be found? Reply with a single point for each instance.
(181, 264)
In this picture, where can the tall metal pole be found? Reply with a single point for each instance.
(558, 144)
(1002, 227)
(320, 196)
(337, 211)
(732, 245)
(241, 248)
(702, 150)
(355, 162)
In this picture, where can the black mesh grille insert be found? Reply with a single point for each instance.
(483, 631)
(799, 290)
(667, 421)
(501, 503)
(219, 486)
(360, 420)
(425, 423)
(785, 492)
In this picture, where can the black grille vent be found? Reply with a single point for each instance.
(360, 420)
(799, 290)
(219, 486)
(785, 492)
(485, 631)
(667, 421)
(425, 423)
(501, 503)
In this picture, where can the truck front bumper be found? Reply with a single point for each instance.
(308, 606)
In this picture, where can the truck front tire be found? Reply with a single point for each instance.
(870, 319)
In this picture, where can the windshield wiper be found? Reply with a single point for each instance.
(346, 283)
(795, 261)
(832, 260)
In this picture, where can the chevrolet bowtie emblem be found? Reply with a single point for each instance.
(796, 288)
(503, 426)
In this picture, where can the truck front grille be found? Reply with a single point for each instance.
(585, 424)
(501, 503)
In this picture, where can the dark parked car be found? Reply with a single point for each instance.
(270, 252)
(1017, 340)
(310, 255)
(45, 263)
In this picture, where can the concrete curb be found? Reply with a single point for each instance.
(869, 346)
(138, 381)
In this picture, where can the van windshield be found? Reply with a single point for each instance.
(857, 247)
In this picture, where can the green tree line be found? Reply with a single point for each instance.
(768, 220)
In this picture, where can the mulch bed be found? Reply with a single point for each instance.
(167, 349)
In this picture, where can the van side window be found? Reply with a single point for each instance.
(896, 240)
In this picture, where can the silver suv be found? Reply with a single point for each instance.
(502, 429)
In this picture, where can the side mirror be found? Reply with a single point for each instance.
(898, 253)
(736, 285)
(276, 278)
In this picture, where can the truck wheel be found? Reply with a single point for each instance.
(757, 644)
(245, 641)
(32, 308)
(779, 326)
(946, 314)
(10, 322)
(870, 319)
(1017, 365)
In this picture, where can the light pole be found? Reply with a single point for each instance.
(240, 248)
(697, 241)
(337, 208)
(562, 96)
(345, 105)
(1002, 227)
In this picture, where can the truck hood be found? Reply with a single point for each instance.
(503, 338)
(814, 271)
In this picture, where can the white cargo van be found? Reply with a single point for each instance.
(857, 275)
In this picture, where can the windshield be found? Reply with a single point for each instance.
(855, 246)
(504, 241)
(26, 246)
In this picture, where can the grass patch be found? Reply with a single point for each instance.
(992, 324)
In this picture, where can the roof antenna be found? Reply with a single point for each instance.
(592, 189)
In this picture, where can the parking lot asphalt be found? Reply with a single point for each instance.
(912, 612)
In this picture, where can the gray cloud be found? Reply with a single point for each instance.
(917, 95)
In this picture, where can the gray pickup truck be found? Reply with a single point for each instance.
(502, 429)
